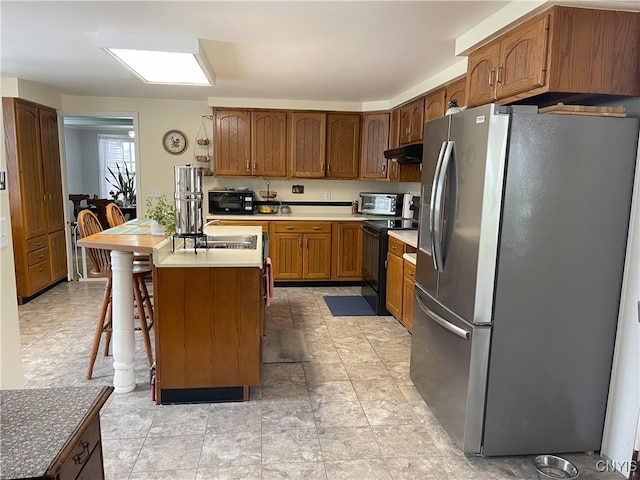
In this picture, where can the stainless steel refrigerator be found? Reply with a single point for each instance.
(523, 230)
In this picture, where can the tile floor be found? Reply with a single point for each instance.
(350, 413)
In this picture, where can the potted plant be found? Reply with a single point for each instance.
(163, 215)
(124, 183)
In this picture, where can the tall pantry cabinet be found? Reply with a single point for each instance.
(35, 196)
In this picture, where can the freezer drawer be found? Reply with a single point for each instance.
(449, 359)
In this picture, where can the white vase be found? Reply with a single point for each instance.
(157, 230)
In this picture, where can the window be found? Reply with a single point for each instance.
(114, 151)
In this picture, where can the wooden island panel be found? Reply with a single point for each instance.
(208, 327)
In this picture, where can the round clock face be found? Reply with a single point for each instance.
(174, 141)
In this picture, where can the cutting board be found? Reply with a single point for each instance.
(563, 109)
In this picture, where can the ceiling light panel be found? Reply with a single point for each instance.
(162, 60)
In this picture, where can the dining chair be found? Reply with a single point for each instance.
(115, 216)
(88, 224)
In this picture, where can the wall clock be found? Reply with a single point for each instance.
(174, 141)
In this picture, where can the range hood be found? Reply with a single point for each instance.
(408, 154)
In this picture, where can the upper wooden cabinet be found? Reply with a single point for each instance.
(250, 143)
(563, 51)
(232, 138)
(269, 144)
(35, 196)
(456, 91)
(308, 139)
(435, 104)
(343, 145)
(375, 140)
(411, 122)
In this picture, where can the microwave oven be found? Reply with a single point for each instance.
(232, 202)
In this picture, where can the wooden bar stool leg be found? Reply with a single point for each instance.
(108, 330)
(100, 325)
(142, 317)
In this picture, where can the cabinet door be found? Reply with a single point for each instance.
(232, 143)
(317, 256)
(343, 145)
(286, 255)
(394, 284)
(456, 91)
(481, 73)
(375, 140)
(308, 138)
(412, 122)
(57, 255)
(523, 58)
(52, 180)
(269, 143)
(347, 250)
(29, 166)
(408, 290)
(394, 129)
(434, 105)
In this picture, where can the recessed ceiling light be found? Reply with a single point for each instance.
(164, 60)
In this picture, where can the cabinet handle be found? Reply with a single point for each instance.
(85, 449)
(394, 247)
(317, 228)
(328, 167)
(289, 228)
(41, 269)
(248, 166)
(255, 166)
(300, 242)
(38, 244)
(498, 75)
(40, 256)
(491, 73)
(384, 167)
(322, 167)
(412, 273)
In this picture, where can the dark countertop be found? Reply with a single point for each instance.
(35, 425)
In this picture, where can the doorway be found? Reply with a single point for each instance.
(83, 136)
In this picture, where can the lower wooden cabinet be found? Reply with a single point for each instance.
(347, 251)
(394, 284)
(400, 282)
(300, 250)
(408, 289)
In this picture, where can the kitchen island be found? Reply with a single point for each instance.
(209, 317)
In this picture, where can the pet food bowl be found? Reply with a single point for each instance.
(553, 467)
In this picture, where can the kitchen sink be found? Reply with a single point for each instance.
(247, 242)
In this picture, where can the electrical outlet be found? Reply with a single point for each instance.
(327, 195)
(154, 192)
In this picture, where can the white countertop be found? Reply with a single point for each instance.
(410, 237)
(310, 216)
(213, 257)
(411, 257)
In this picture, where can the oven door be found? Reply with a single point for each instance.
(370, 256)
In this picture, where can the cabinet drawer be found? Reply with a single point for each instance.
(301, 227)
(39, 276)
(81, 453)
(37, 256)
(36, 243)
(396, 247)
(409, 271)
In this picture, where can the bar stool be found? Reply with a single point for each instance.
(88, 224)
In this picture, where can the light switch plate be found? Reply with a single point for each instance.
(4, 233)
(3, 180)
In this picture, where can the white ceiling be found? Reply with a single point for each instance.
(332, 51)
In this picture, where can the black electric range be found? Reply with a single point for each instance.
(374, 255)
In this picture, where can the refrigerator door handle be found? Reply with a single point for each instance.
(462, 333)
(438, 208)
(432, 204)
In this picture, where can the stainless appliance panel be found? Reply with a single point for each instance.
(566, 210)
(438, 133)
(449, 361)
(470, 215)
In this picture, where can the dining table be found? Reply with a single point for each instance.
(123, 241)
